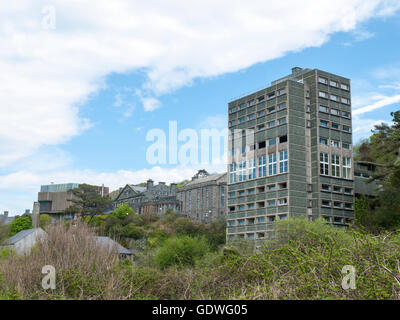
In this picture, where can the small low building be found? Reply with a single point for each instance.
(109, 244)
(23, 241)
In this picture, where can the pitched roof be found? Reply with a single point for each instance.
(20, 235)
(107, 241)
(137, 188)
(209, 178)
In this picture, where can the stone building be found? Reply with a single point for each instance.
(204, 197)
(154, 199)
(291, 154)
(364, 170)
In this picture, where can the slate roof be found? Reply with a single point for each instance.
(209, 178)
(110, 243)
(20, 235)
(137, 188)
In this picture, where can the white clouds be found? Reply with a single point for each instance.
(47, 74)
(381, 101)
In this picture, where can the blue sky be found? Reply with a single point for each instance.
(81, 95)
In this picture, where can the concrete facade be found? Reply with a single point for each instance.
(363, 171)
(204, 198)
(290, 153)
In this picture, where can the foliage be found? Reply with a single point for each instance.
(382, 148)
(181, 251)
(87, 201)
(44, 220)
(19, 224)
(122, 211)
(133, 232)
(4, 231)
(170, 216)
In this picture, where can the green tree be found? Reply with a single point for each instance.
(19, 224)
(131, 231)
(122, 211)
(87, 201)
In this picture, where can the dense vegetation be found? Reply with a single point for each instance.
(383, 148)
(304, 261)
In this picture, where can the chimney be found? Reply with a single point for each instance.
(296, 70)
(6, 214)
(173, 187)
(36, 214)
(27, 211)
(150, 184)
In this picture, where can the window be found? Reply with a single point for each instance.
(241, 222)
(326, 203)
(346, 168)
(322, 80)
(326, 187)
(271, 187)
(323, 123)
(241, 193)
(271, 203)
(282, 201)
(335, 165)
(271, 124)
(272, 142)
(261, 145)
(233, 122)
(323, 95)
(345, 86)
(348, 205)
(190, 199)
(262, 169)
(335, 143)
(323, 141)
(283, 139)
(250, 191)
(242, 119)
(282, 185)
(335, 126)
(231, 223)
(272, 164)
(259, 99)
(241, 207)
(260, 189)
(282, 120)
(233, 109)
(260, 127)
(346, 145)
(242, 106)
(333, 83)
(252, 169)
(261, 219)
(345, 100)
(252, 116)
(346, 128)
(271, 95)
(281, 106)
(348, 190)
(232, 172)
(282, 216)
(283, 161)
(324, 163)
(207, 197)
(250, 236)
(335, 112)
(231, 194)
(198, 198)
(260, 113)
(271, 218)
(323, 109)
(242, 171)
(250, 206)
(271, 109)
(281, 92)
(345, 114)
(252, 103)
(337, 189)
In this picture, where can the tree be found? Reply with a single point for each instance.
(131, 231)
(122, 211)
(87, 201)
(19, 224)
(44, 220)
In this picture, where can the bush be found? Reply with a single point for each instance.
(122, 211)
(170, 216)
(19, 224)
(133, 219)
(181, 251)
(44, 220)
(131, 231)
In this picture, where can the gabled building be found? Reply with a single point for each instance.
(150, 199)
(23, 241)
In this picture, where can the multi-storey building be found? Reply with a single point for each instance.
(55, 198)
(204, 197)
(291, 154)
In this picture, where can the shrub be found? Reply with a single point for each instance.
(133, 219)
(122, 211)
(181, 251)
(170, 216)
(44, 220)
(19, 224)
(131, 231)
